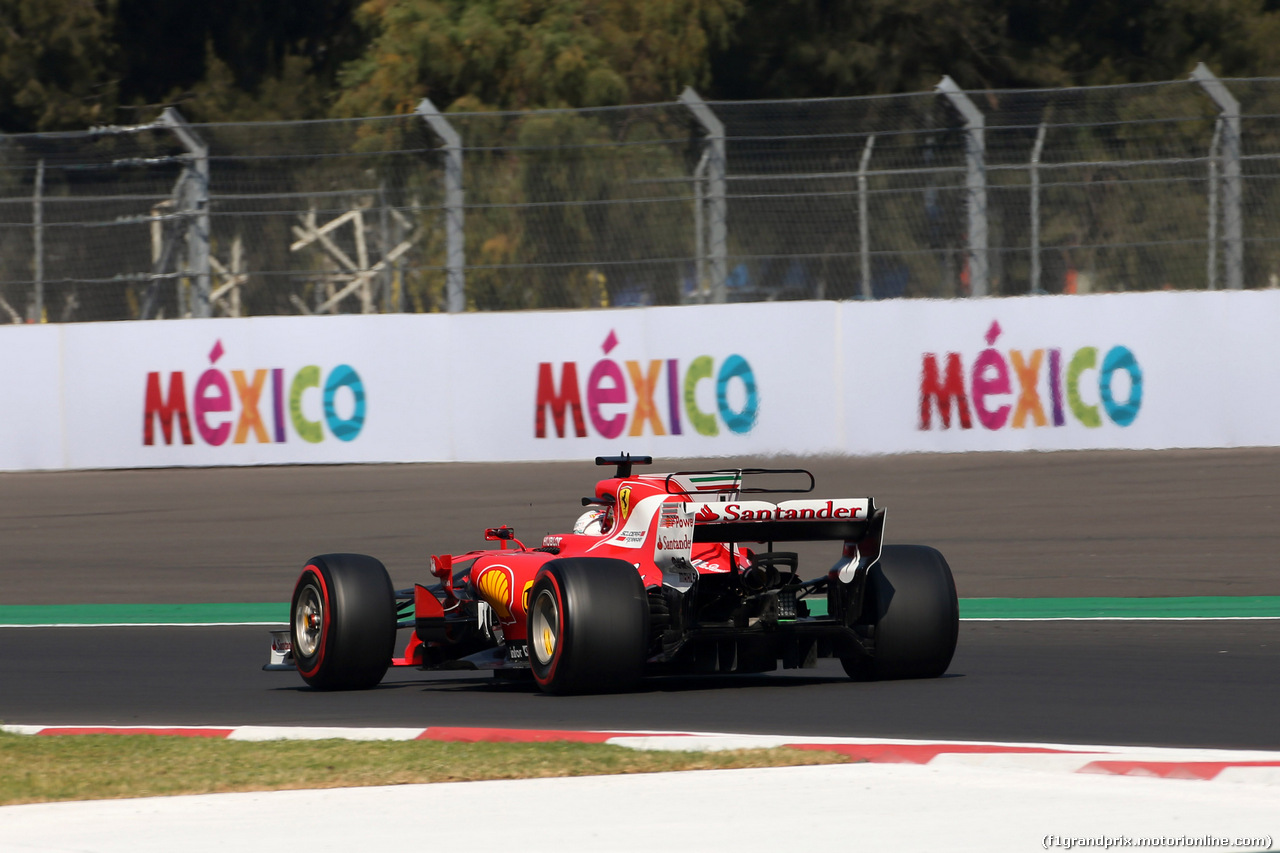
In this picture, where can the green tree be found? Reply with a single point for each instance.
(237, 60)
(521, 54)
(1072, 42)
(69, 64)
(292, 92)
(55, 64)
(821, 48)
(816, 48)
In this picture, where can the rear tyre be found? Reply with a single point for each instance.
(343, 622)
(910, 604)
(588, 626)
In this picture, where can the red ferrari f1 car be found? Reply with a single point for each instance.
(664, 573)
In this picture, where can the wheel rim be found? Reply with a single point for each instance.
(308, 621)
(544, 634)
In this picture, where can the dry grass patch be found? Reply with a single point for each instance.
(93, 767)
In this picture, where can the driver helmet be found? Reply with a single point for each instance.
(591, 523)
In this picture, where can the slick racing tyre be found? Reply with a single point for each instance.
(588, 626)
(910, 603)
(343, 622)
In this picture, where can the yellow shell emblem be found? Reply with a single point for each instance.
(495, 589)
(624, 502)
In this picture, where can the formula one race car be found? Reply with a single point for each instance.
(665, 573)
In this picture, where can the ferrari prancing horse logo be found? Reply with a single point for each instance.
(624, 503)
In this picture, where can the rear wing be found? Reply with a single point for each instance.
(727, 484)
(847, 519)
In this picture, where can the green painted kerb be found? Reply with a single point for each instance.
(141, 614)
(1193, 607)
(1189, 607)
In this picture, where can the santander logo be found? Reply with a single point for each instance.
(844, 509)
(675, 528)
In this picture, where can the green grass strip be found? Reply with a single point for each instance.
(1190, 607)
(92, 767)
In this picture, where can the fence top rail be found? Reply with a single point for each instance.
(1114, 86)
(450, 114)
(730, 104)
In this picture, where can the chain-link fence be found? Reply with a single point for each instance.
(937, 194)
(171, 220)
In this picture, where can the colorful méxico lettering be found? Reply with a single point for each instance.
(944, 387)
(214, 408)
(608, 386)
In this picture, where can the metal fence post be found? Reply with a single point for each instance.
(455, 284)
(384, 240)
(975, 182)
(1232, 222)
(37, 236)
(1035, 208)
(197, 207)
(701, 285)
(1211, 272)
(714, 130)
(864, 237)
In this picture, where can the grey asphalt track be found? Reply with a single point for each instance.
(1173, 684)
(1011, 524)
(1023, 525)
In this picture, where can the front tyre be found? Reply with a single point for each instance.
(343, 622)
(588, 626)
(910, 603)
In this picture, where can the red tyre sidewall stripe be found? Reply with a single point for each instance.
(324, 624)
(560, 630)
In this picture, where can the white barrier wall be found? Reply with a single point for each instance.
(31, 394)
(1139, 371)
(254, 391)
(690, 381)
